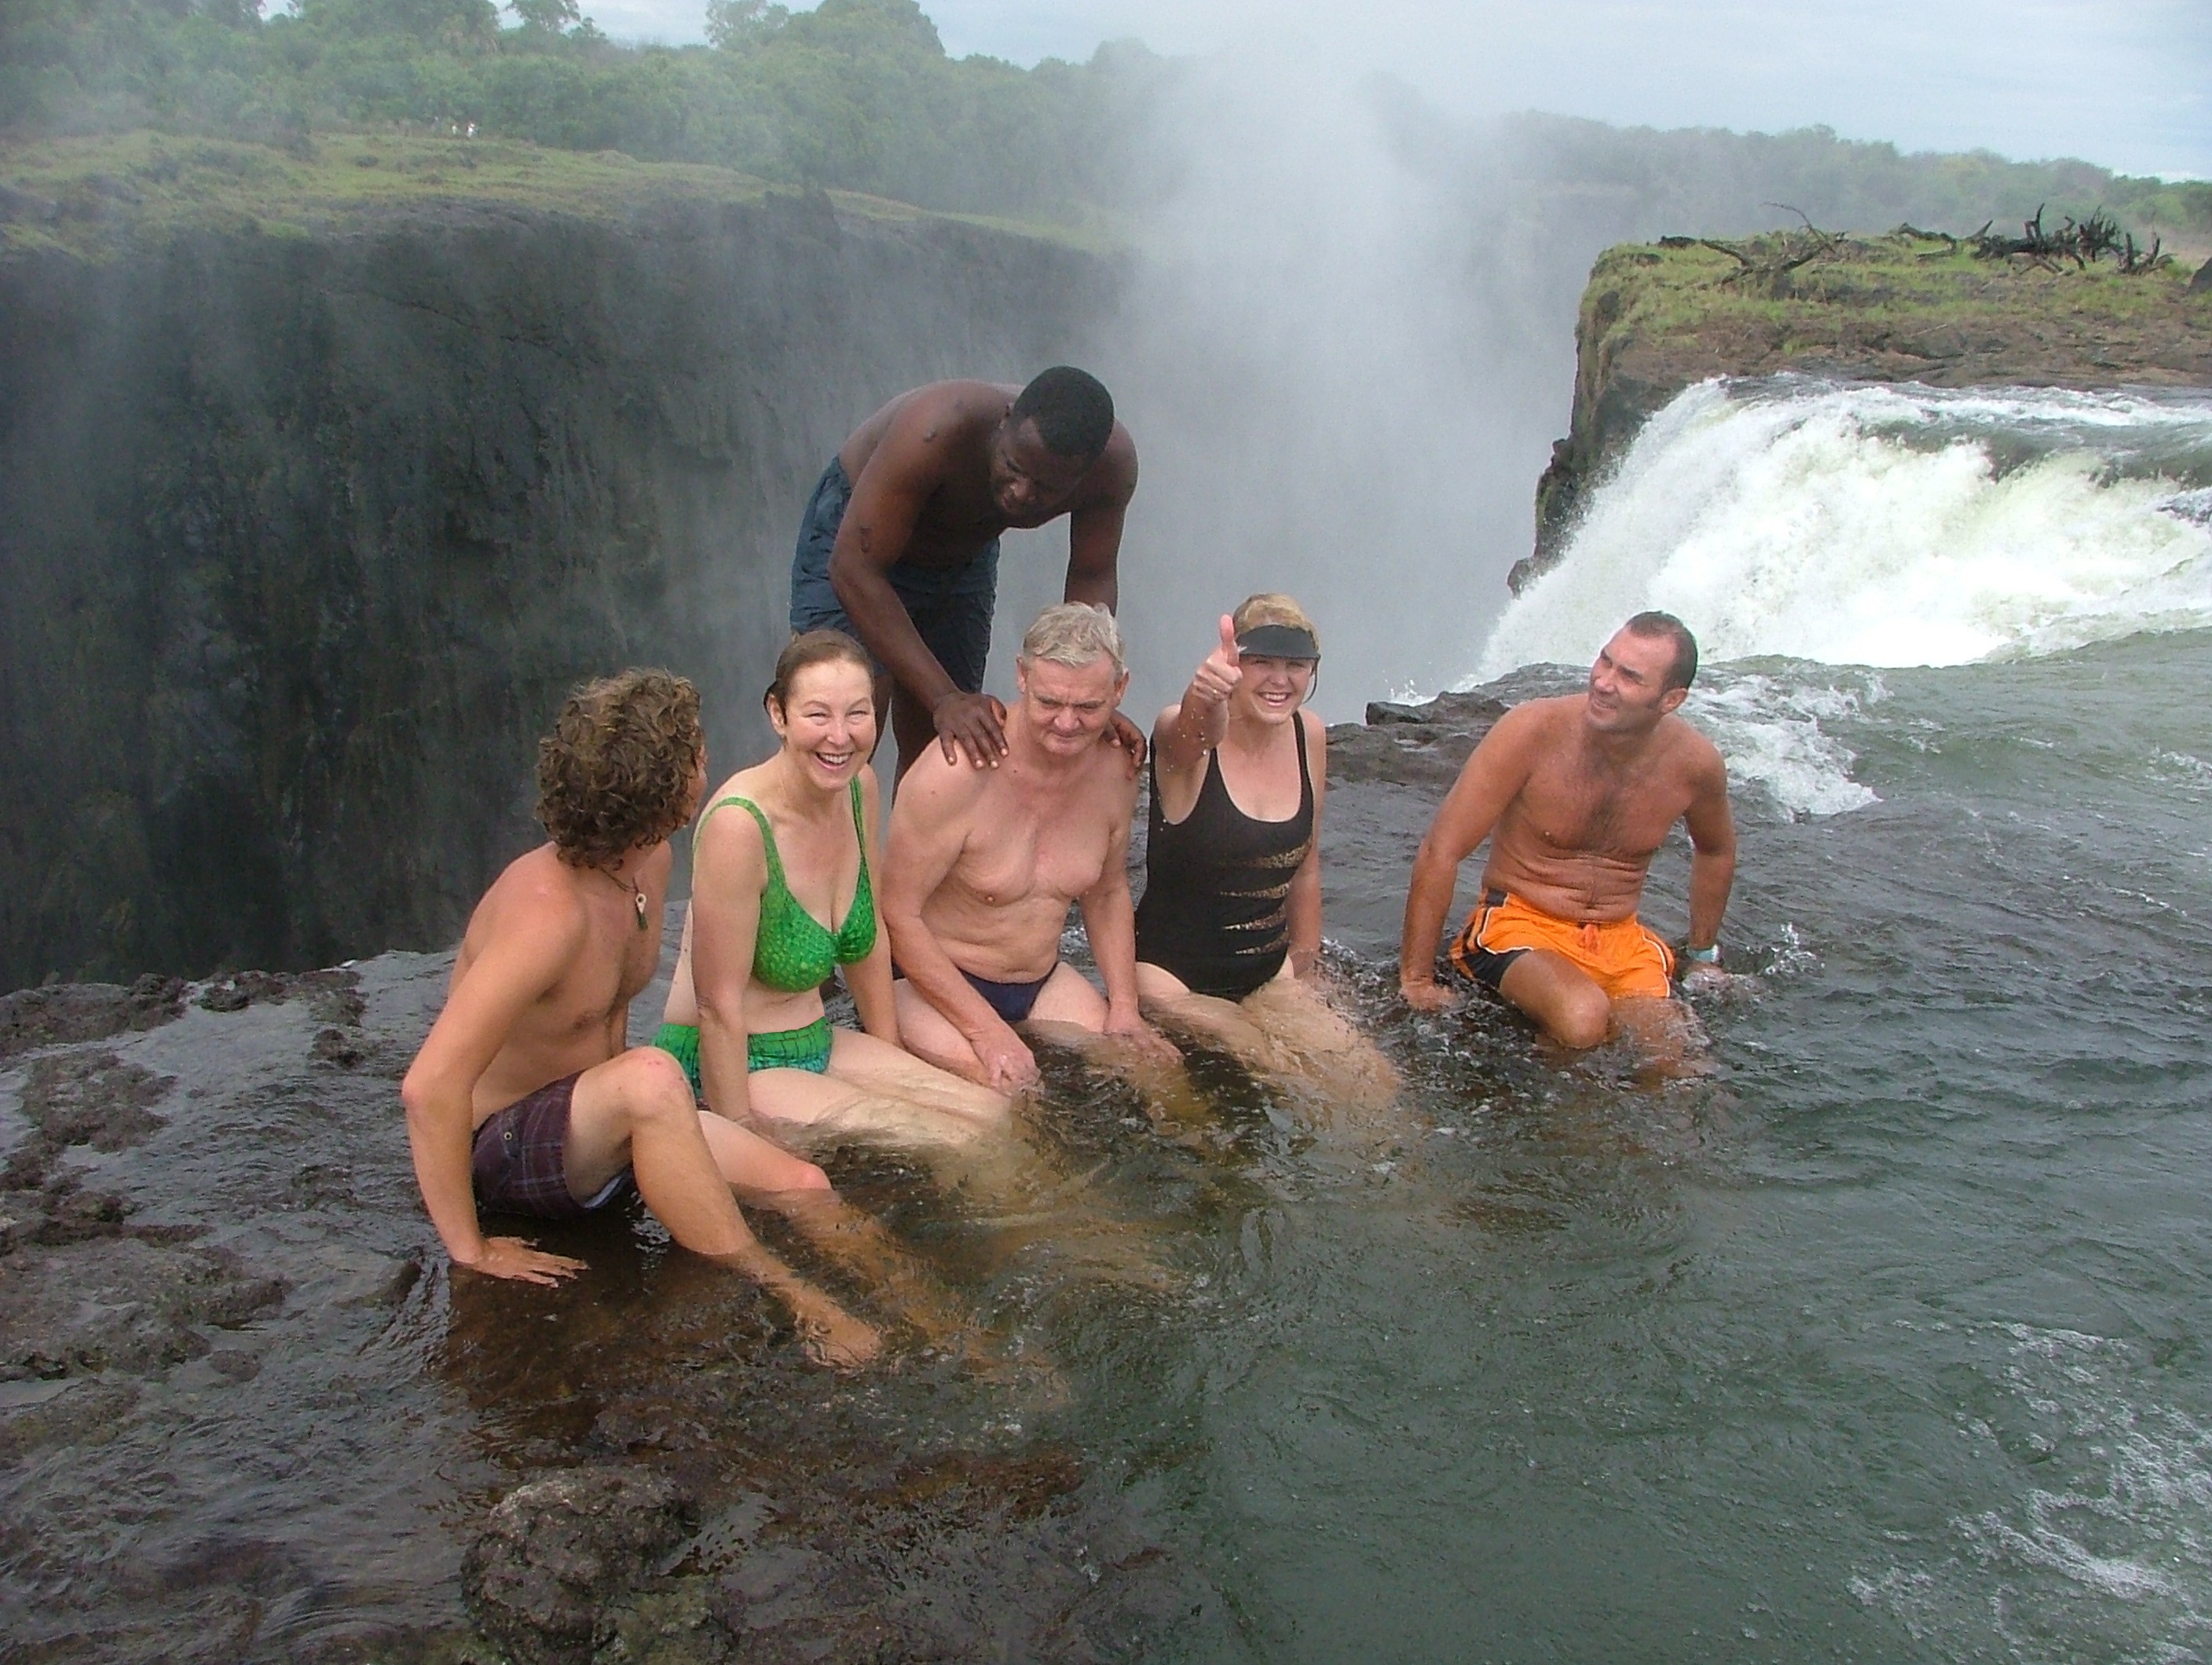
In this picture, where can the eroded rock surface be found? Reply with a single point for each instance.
(60, 1013)
(559, 1552)
(247, 1410)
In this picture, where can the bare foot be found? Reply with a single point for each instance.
(842, 1342)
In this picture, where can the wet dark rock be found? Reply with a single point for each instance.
(1469, 711)
(307, 535)
(71, 1215)
(256, 1566)
(343, 1048)
(558, 1553)
(334, 994)
(77, 1098)
(92, 1098)
(45, 1415)
(60, 1013)
(118, 1303)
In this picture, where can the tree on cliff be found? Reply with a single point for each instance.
(553, 16)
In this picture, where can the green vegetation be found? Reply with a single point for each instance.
(1709, 183)
(153, 181)
(91, 194)
(857, 95)
(1927, 298)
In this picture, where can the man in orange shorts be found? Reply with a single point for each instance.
(1576, 795)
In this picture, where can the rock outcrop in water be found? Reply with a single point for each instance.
(247, 1411)
(1656, 319)
(304, 532)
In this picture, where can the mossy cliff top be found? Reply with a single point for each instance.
(94, 197)
(1906, 306)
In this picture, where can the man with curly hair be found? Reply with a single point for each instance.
(525, 1098)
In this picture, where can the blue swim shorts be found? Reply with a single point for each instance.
(951, 608)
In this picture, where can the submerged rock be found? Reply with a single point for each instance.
(118, 1303)
(558, 1553)
(65, 1012)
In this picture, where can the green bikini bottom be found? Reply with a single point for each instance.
(806, 1049)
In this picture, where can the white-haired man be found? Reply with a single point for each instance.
(984, 864)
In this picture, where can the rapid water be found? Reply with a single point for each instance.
(1888, 527)
(1892, 1340)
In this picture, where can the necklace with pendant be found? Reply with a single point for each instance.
(636, 895)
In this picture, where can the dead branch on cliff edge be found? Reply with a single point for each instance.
(1770, 263)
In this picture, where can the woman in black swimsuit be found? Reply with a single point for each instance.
(1228, 931)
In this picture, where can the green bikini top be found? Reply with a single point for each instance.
(793, 951)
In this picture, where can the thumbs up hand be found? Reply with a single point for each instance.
(1217, 677)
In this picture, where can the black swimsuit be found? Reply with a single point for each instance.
(1216, 911)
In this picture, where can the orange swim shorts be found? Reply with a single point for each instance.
(1624, 958)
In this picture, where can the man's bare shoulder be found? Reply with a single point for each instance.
(1698, 757)
(934, 791)
(1107, 775)
(534, 904)
(1531, 723)
(1113, 477)
(946, 410)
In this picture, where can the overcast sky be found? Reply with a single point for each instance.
(2126, 83)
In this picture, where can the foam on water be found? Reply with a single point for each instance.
(1886, 526)
(1769, 729)
(2122, 1524)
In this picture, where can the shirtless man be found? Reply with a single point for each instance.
(1580, 793)
(984, 862)
(524, 1099)
(899, 546)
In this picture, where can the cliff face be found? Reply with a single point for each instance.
(303, 536)
(1656, 319)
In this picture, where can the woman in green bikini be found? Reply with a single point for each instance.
(782, 896)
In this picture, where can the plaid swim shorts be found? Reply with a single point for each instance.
(519, 1159)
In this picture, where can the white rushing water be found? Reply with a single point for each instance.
(1886, 526)
(1843, 526)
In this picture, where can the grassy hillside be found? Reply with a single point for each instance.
(1904, 305)
(93, 194)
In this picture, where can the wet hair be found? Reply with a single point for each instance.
(615, 774)
(809, 648)
(1071, 408)
(1683, 672)
(1271, 607)
(1074, 634)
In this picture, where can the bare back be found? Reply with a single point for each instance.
(934, 444)
(597, 962)
(1577, 837)
(1029, 844)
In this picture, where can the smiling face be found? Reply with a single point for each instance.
(1028, 478)
(1273, 689)
(828, 722)
(1065, 707)
(1628, 691)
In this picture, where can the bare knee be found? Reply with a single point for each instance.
(652, 1088)
(1582, 1021)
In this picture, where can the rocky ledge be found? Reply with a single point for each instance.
(1910, 306)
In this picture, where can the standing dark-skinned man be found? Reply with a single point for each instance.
(900, 544)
